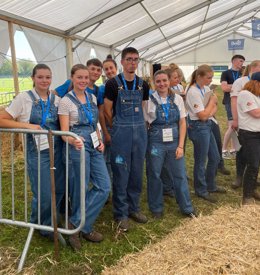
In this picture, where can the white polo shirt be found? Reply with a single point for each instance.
(238, 85)
(246, 101)
(196, 101)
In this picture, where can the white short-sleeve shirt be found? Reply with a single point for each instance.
(150, 108)
(238, 85)
(21, 106)
(246, 101)
(68, 108)
(196, 101)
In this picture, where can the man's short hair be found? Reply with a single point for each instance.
(95, 62)
(127, 50)
(238, 56)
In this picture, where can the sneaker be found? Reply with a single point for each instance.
(138, 217)
(226, 155)
(233, 154)
(74, 239)
(248, 201)
(157, 215)
(208, 198)
(237, 183)
(123, 225)
(93, 236)
(256, 195)
(219, 190)
(224, 171)
(191, 215)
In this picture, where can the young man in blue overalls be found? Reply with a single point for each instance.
(124, 97)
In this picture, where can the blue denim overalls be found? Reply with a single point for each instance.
(128, 146)
(161, 153)
(95, 169)
(52, 123)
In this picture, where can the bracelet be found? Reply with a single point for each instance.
(180, 147)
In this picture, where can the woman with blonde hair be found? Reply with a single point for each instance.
(201, 105)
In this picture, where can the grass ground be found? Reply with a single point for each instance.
(93, 257)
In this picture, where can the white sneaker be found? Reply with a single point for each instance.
(226, 155)
(233, 154)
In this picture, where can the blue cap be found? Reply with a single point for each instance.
(256, 76)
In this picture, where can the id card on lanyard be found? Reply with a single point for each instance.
(41, 140)
(136, 109)
(89, 115)
(167, 132)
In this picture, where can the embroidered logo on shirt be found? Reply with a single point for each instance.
(249, 103)
(195, 106)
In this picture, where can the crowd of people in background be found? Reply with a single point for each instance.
(125, 124)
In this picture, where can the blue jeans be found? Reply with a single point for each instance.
(45, 182)
(228, 111)
(205, 147)
(159, 155)
(97, 194)
(127, 160)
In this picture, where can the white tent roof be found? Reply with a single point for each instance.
(161, 30)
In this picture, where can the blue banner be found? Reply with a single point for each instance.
(256, 28)
(236, 44)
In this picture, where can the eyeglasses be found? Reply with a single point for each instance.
(131, 60)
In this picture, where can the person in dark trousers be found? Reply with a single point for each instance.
(124, 98)
(248, 109)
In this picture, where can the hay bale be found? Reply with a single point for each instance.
(226, 242)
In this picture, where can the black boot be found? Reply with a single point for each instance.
(237, 183)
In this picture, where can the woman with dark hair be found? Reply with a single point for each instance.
(78, 113)
(248, 108)
(37, 109)
(165, 115)
(201, 105)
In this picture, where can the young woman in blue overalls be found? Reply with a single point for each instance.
(165, 114)
(37, 109)
(200, 132)
(78, 113)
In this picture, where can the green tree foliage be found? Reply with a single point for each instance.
(24, 68)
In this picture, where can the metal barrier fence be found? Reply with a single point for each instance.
(6, 98)
(22, 220)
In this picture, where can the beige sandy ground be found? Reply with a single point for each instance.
(226, 242)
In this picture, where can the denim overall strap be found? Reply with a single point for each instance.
(32, 96)
(119, 83)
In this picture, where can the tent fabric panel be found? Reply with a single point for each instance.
(122, 25)
(184, 22)
(51, 50)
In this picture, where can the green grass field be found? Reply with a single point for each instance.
(7, 84)
(93, 257)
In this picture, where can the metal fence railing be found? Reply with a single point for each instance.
(17, 182)
(6, 98)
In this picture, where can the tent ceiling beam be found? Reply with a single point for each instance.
(84, 39)
(99, 18)
(190, 48)
(195, 26)
(21, 21)
(203, 32)
(165, 22)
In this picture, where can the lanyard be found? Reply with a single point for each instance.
(125, 86)
(166, 108)
(87, 111)
(202, 92)
(235, 76)
(46, 111)
(249, 77)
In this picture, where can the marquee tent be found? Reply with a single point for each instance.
(63, 32)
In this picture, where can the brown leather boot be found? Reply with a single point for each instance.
(74, 239)
(237, 183)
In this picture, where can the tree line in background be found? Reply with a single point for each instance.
(24, 68)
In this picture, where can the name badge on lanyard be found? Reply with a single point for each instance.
(94, 138)
(42, 140)
(167, 134)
